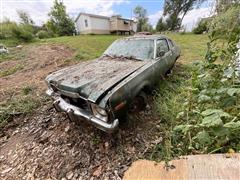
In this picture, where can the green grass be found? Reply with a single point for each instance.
(10, 42)
(86, 46)
(193, 47)
(171, 99)
(92, 46)
(14, 54)
(20, 103)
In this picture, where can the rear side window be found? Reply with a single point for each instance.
(170, 42)
(162, 45)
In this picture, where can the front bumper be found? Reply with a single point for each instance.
(75, 113)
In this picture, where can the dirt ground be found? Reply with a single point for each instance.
(46, 145)
(37, 63)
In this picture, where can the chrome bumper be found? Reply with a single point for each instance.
(74, 113)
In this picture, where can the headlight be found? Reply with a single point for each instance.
(99, 112)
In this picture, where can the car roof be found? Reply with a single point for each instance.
(152, 37)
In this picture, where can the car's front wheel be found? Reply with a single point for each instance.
(138, 103)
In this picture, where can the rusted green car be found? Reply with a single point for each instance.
(101, 91)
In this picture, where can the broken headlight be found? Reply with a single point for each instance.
(99, 112)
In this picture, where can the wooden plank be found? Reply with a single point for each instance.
(215, 166)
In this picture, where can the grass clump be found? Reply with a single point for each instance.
(11, 70)
(27, 90)
(17, 106)
(21, 103)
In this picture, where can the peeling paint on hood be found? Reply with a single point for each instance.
(92, 79)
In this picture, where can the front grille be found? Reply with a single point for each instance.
(79, 102)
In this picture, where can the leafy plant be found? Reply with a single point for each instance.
(202, 111)
(60, 23)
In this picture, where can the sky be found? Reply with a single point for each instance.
(38, 9)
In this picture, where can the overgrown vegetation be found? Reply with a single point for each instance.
(200, 108)
(16, 32)
(19, 104)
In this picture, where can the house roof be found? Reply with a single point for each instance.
(92, 15)
(99, 16)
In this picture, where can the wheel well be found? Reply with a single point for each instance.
(146, 89)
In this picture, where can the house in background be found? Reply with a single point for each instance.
(96, 24)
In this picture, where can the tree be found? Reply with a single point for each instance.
(60, 23)
(161, 25)
(176, 8)
(25, 18)
(141, 16)
(173, 22)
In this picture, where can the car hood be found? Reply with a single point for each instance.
(93, 79)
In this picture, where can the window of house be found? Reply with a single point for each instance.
(86, 23)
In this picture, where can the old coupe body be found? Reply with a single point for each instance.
(102, 90)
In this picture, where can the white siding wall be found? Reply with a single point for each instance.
(95, 25)
(80, 24)
(100, 24)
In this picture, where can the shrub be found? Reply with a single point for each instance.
(23, 32)
(201, 27)
(6, 29)
(12, 30)
(43, 34)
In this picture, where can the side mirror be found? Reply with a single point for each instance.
(161, 53)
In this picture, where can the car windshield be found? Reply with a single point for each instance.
(141, 49)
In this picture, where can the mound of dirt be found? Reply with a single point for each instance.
(37, 63)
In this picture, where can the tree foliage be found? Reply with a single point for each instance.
(223, 5)
(25, 18)
(60, 23)
(161, 25)
(176, 11)
(142, 20)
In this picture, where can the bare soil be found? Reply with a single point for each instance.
(37, 63)
(46, 145)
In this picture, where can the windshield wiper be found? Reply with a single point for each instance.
(132, 57)
(108, 55)
(122, 56)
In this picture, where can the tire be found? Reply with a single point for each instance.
(138, 103)
(169, 71)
